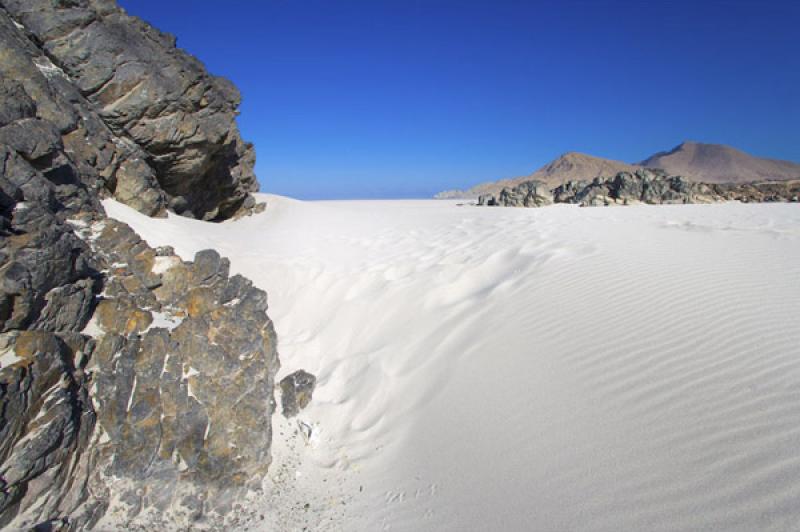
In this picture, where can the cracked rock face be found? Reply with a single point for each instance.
(136, 389)
(161, 131)
(183, 366)
(157, 411)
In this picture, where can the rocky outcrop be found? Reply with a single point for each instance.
(642, 186)
(296, 391)
(128, 105)
(136, 389)
(121, 412)
(183, 370)
(528, 194)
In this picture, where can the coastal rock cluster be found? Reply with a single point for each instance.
(136, 389)
(645, 185)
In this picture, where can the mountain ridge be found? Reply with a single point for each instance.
(718, 163)
(696, 161)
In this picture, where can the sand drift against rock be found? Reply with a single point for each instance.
(527, 369)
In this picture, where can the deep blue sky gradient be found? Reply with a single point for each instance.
(403, 98)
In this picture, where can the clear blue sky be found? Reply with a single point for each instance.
(403, 98)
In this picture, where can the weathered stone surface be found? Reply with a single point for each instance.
(163, 386)
(136, 389)
(58, 132)
(161, 390)
(296, 391)
(46, 420)
(45, 268)
(154, 98)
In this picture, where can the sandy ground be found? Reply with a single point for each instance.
(629, 368)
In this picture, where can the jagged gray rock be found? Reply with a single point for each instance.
(46, 419)
(118, 361)
(154, 96)
(148, 432)
(47, 112)
(166, 361)
(296, 391)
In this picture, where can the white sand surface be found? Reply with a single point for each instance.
(629, 368)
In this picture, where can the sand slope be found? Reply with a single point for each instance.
(559, 368)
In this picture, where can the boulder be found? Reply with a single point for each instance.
(296, 391)
(527, 194)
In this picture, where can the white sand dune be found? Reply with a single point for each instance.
(560, 368)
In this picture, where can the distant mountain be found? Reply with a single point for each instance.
(717, 163)
(573, 166)
(710, 163)
(570, 166)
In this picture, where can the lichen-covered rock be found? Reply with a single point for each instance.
(136, 389)
(165, 365)
(172, 444)
(296, 391)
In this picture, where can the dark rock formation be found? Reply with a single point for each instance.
(296, 391)
(566, 192)
(46, 421)
(642, 186)
(135, 389)
(527, 194)
(184, 366)
(129, 105)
